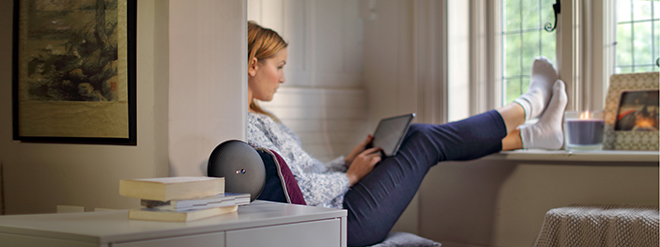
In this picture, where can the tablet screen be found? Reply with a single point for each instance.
(390, 133)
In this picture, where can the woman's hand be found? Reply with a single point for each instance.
(357, 150)
(362, 165)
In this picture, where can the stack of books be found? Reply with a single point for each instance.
(180, 198)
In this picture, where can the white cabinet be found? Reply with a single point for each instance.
(261, 223)
(216, 239)
(317, 233)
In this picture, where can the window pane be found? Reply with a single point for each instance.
(511, 15)
(523, 39)
(642, 10)
(623, 10)
(548, 47)
(638, 40)
(547, 13)
(641, 69)
(623, 45)
(623, 70)
(530, 14)
(656, 38)
(642, 45)
(511, 55)
(530, 50)
(513, 88)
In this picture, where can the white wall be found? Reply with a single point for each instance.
(493, 202)
(404, 62)
(323, 99)
(37, 177)
(388, 62)
(207, 92)
(404, 67)
(329, 122)
(458, 52)
(325, 40)
(190, 97)
(487, 202)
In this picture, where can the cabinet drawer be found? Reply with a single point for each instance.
(216, 239)
(315, 233)
(8, 239)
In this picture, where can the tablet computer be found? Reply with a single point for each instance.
(390, 133)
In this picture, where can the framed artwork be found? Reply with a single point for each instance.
(74, 71)
(631, 112)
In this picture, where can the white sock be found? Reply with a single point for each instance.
(547, 132)
(540, 88)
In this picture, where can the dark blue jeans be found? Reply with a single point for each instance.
(375, 203)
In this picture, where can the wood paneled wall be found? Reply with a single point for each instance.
(323, 99)
(325, 40)
(329, 122)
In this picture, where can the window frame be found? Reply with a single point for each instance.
(615, 26)
(586, 50)
(585, 46)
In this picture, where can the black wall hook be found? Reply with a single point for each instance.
(557, 8)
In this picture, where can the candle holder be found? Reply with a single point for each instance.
(584, 130)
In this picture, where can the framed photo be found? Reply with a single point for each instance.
(74, 71)
(631, 112)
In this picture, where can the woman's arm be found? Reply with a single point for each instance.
(337, 165)
(362, 165)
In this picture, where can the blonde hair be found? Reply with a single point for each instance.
(263, 43)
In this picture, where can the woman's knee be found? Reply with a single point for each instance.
(420, 132)
(418, 129)
(424, 144)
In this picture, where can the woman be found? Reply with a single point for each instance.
(376, 195)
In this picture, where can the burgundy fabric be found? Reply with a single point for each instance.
(292, 188)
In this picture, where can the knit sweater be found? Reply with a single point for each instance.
(321, 184)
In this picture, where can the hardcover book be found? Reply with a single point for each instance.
(171, 188)
(219, 200)
(160, 215)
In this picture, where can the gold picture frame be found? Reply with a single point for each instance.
(631, 112)
(74, 71)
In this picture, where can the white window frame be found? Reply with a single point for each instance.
(584, 52)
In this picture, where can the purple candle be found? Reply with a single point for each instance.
(584, 130)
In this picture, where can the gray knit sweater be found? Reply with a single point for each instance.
(321, 184)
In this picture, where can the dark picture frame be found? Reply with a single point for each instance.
(74, 71)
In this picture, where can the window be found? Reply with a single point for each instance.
(593, 40)
(637, 36)
(522, 39)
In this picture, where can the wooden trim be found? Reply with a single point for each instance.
(494, 14)
(429, 59)
(479, 58)
(601, 158)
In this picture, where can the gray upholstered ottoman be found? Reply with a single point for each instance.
(600, 225)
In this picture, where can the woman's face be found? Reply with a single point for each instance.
(265, 76)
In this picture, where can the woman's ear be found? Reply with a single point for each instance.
(252, 70)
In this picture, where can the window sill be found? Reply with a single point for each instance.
(580, 156)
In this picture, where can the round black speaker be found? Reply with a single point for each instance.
(240, 165)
